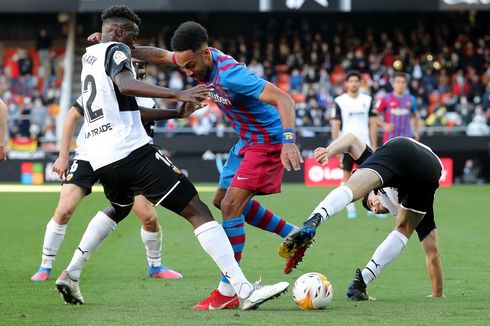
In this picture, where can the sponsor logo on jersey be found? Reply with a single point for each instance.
(99, 130)
(399, 111)
(119, 57)
(220, 99)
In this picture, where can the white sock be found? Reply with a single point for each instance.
(153, 246)
(214, 241)
(53, 237)
(226, 289)
(351, 207)
(335, 201)
(384, 254)
(97, 230)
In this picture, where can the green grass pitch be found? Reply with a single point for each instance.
(117, 290)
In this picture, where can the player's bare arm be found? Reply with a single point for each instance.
(128, 85)
(415, 121)
(148, 54)
(61, 164)
(161, 114)
(153, 55)
(335, 124)
(290, 155)
(346, 143)
(373, 132)
(3, 129)
(430, 246)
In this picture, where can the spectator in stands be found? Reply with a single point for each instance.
(43, 45)
(478, 127)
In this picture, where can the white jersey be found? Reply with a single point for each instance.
(113, 127)
(80, 151)
(354, 114)
(389, 199)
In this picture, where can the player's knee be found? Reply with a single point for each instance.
(150, 222)
(217, 201)
(228, 205)
(63, 214)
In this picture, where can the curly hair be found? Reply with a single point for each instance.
(189, 36)
(120, 11)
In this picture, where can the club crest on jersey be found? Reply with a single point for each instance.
(119, 57)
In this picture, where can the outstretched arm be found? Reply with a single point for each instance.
(346, 143)
(290, 154)
(430, 246)
(184, 111)
(153, 55)
(62, 162)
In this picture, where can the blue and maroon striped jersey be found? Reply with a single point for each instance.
(397, 110)
(236, 92)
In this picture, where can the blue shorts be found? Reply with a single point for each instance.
(230, 167)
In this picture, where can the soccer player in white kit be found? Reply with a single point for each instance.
(127, 165)
(354, 112)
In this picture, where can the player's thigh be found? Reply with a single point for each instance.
(229, 169)
(407, 220)
(162, 183)
(146, 213)
(234, 202)
(70, 197)
(362, 182)
(196, 212)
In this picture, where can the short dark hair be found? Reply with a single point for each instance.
(365, 202)
(120, 11)
(400, 74)
(353, 73)
(189, 36)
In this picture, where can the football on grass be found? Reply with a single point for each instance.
(312, 291)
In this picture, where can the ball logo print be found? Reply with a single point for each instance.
(312, 291)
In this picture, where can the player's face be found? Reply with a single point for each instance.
(399, 85)
(129, 33)
(353, 84)
(195, 64)
(374, 204)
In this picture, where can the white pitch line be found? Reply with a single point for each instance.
(56, 188)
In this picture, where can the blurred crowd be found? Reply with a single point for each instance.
(30, 87)
(448, 65)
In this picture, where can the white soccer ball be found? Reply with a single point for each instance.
(312, 291)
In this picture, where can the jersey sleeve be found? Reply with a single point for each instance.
(118, 57)
(336, 113)
(78, 105)
(413, 106)
(364, 156)
(372, 109)
(381, 105)
(239, 79)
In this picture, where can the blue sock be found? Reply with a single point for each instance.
(235, 230)
(257, 215)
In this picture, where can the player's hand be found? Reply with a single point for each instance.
(321, 155)
(187, 109)
(195, 95)
(416, 135)
(3, 153)
(290, 156)
(61, 166)
(388, 127)
(95, 37)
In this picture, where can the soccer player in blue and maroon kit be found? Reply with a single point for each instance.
(398, 111)
(263, 117)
